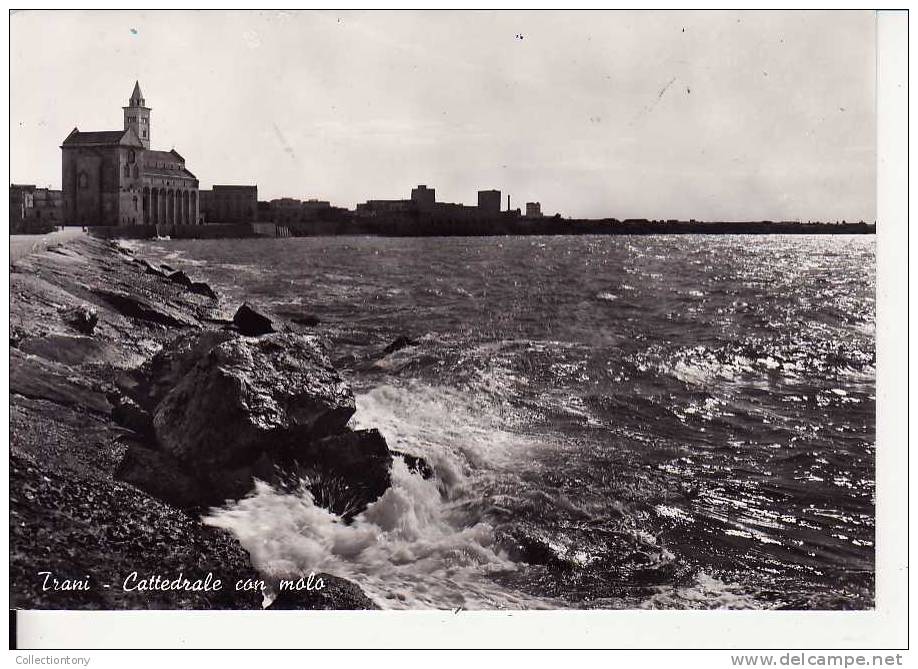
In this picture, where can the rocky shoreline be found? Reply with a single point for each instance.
(138, 400)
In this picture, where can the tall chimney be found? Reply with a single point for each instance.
(508, 201)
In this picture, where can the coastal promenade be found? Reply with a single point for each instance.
(23, 245)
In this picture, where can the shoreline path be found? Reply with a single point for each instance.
(23, 245)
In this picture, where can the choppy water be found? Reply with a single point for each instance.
(648, 422)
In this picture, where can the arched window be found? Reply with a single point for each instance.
(135, 203)
(136, 172)
(127, 171)
(82, 180)
(131, 156)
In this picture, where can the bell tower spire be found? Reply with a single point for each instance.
(137, 116)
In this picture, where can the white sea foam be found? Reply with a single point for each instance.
(414, 547)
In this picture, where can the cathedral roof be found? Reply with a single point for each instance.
(172, 156)
(181, 173)
(153, 159)
(102, 138)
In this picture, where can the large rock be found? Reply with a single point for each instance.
(174, 361)
(82, 318)
(346, 471)
(250, 322)
(149, 268)
(180, 278)
(202, 288)
(68, 349)
(162, 477)
(127, 413)
(251, 395)
(38, 378)
(399, 343)
(138, 307)
(334, 594)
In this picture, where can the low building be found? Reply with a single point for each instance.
(285, 210)
(291, 210)
(48, 206)
(533, 210)
(230, 204)
(373, 208)
(22, 201)
(35, 209)
(423, 209)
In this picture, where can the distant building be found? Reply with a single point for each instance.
(423, 209)
(423, 197)
(372, 208)
(285, 210)
(230, 204)
(313, 208)
(291, 210)
(35, 209)
(533, 210)
(264, 210)
(22, 201)
(48, 206)
(114, 178)
(489, 201)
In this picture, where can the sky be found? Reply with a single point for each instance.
(705, 115)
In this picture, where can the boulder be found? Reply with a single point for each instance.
(149, 268)
(68, 349)
(248, 395)
(127, 413)
(533, 547)
(225, 485)
(180, 278)
(162, 477)
(134, 306)
(82, 318)
(202, 288)
(345, 471)
(198, 287)
(39, 378)
(399, 343)
(335, 594)
(251, 323)
(168, 366)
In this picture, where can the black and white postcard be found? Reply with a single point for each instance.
(512, 316)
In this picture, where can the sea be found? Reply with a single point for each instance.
(652, 422)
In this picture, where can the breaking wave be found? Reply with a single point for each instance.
(420, 545)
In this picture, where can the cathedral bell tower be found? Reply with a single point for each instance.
(137, 116)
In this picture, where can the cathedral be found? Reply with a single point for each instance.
(113, 177)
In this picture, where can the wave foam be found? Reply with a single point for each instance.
(418, 545)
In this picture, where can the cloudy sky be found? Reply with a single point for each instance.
(635, 114)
